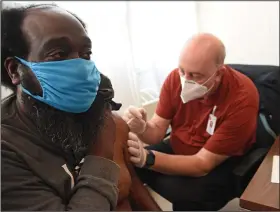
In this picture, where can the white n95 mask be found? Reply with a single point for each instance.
(192, 90)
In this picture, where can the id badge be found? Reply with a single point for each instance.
(211, 124)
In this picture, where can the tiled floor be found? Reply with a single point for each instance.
(167, 206)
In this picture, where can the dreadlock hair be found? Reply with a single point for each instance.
(13, 41)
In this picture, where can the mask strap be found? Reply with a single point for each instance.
(210, 77)
(24, 62)
(208, 90)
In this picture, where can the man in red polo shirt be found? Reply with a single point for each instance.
(212, 110)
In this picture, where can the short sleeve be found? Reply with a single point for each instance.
(235, 134)
(164, 107)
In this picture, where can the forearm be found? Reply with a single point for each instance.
(97, 185)
(178, 165)
(153, 134)
(96, 188)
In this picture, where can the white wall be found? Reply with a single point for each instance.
(249, 30)
(5, 92)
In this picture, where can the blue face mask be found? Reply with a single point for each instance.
(68, 85)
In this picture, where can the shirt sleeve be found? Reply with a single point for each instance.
(96, 188)
(235, 134)
(164, 107)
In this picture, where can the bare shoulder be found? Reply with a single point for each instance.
(122, 129)
(120, 157)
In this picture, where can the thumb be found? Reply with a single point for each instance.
(136, 112)
(143, 113)
(143, 157)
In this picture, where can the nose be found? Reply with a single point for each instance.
(74, 55)
(188, 76)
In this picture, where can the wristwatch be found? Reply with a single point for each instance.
(150, 160)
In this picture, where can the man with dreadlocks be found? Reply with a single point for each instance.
(59, 115)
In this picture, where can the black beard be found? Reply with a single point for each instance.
(72, 133)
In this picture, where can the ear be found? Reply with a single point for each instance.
(11, 65)
(221, 70)
(220, 73)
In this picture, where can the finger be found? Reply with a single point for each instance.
(142, 111)
(135, 112)
(135, 160)
(131, 107)
(142, 123)
(132, 121)
(126, 119)
(136, 123)
(133, 144)
(131, 116)
(132, 136)
(134, 152)
(126, 113)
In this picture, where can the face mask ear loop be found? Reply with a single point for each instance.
(208, 90)
(209, 78)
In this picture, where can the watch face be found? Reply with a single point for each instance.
(150, 159)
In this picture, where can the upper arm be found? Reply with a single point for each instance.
(161, 124)
(120, 148)
(165, 108)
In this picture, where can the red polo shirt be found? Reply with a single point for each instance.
(237, 102)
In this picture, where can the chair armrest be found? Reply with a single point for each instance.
(246, 169)
(250, 161)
